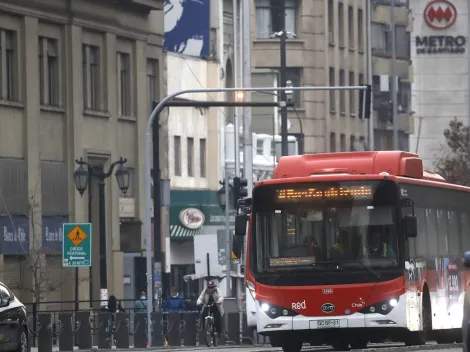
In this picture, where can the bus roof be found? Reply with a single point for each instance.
(396, 163)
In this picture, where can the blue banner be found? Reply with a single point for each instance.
(188, 27)
(15, 234)
(52, 233)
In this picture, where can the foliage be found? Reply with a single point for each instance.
(454, 163)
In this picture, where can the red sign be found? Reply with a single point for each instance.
(440, 14)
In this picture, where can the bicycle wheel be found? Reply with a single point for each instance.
(215, 335)
(208, 331)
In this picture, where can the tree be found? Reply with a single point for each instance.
(454, 163)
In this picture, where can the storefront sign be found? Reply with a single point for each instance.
(440, 15)
(52, 233)
(15, 234)
(192, 218)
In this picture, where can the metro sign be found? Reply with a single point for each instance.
(440, 14)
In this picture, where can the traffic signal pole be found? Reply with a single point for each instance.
(153, 122)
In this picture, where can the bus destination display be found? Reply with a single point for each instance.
(316, 193)
(291, 261)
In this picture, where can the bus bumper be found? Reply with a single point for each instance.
(396, 318)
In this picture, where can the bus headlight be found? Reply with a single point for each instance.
(273, 311)
(383, 307)
(251, 289)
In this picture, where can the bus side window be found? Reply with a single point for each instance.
(464, 231)
(453, 233)
(442, 233)
(421, 239)
(431, 232)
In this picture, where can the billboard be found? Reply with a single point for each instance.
(187, 27)
(214, 245)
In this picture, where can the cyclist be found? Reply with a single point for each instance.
(212, 295)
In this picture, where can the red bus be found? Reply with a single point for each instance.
(350, 248)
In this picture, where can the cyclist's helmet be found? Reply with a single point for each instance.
(211, 285)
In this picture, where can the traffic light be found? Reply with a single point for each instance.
(239, 190)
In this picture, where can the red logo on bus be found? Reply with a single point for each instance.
(440, 14)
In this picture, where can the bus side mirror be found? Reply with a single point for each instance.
(237, 247)
(410, 226)
(240, 225)
(466, 259)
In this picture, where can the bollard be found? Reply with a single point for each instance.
(247, 332)
(173, 331)
(65, 329)
(44, 328)
(105, 326)
(234, 328)
(190, 329)
(157, 329)
(121, 332)
(140, 330)
(83, 330)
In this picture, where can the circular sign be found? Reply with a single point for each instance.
(192, 218)
(440, 14)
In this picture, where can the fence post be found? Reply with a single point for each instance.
(83, 330)
(105, 326)
(190, 329)
(157, 329)
(121, 332)
(45, 333)
(65, 331)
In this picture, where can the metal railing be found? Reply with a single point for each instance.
(86, 328)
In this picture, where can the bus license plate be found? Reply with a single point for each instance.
(331, 323)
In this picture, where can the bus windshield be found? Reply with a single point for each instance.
(321, 225)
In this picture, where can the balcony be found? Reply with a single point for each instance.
(145, 5)
(398, 3)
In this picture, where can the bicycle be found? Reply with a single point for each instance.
(209, 326)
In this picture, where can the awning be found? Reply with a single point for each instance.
(181, 232)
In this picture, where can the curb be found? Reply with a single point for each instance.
(414, 348)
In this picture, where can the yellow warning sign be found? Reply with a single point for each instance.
(77, 236)
(234, 256)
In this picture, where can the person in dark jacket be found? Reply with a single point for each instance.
(174, 303)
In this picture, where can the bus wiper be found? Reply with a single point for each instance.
(338, 264)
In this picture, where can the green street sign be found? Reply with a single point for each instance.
(76, 245)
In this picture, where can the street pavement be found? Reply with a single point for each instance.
(390, 347)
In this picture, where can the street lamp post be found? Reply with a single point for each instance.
(283, 35)
(81, 182)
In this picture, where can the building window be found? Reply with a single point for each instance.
(268, 17)
(331, 22)
(293, 75)
(404, 96)
(361, 79)
(190, 156)
(49, 71)
(332, 142)
(352, 94)
(351, 27)
(259, 147)
(152, 82)
(341, 24)
(91, 77)
(352, 145)
(202, 157)
(362, 143)
(177, 155)
(124, 78)
(332, 92)
(360, 30)
(342, 93)
(342, 142)
(379, 37)
(402, 40)
(8, 65)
